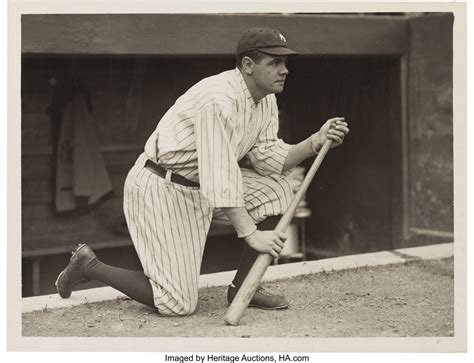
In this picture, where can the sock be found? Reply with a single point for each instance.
(249, 255)
(134, 284)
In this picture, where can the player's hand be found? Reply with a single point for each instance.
(334, 129)
(270, 242)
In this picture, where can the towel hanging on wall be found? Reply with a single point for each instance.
(81, 174)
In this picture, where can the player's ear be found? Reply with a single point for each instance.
(247, 65)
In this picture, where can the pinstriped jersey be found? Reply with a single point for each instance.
(210, 128)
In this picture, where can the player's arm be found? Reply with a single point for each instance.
(220, 176)
(334, 129)
(270, 242)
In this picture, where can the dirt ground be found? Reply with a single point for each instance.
(415, 299)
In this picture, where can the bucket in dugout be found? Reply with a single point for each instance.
(292, 243)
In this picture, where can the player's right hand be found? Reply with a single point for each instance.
(270, 242)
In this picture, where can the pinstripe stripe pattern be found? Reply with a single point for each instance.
(264, 197)
(168, 224)
(210, 129)
(202, 137)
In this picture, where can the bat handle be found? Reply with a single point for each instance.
(254, 277)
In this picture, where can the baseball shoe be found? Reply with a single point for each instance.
(262, 299)
(73, 274)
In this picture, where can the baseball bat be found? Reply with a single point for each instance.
(254, 277)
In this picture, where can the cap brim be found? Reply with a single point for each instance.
(277, 51)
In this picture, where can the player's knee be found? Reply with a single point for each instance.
(189, 309)
(188, 304)
(181, 305)
(286, 186)
(284, 191)
(178, 310)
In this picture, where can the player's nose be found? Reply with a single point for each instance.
(283, 69)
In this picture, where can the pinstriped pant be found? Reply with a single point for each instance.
(168, 224)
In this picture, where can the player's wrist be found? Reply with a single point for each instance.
(251, 237)
(247, 232)
(315, 142)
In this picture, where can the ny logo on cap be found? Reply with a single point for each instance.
(282, 37)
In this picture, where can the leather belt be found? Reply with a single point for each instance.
(175, 178)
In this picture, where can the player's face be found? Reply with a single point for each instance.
(270, 73)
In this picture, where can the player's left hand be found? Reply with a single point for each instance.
(334, 129)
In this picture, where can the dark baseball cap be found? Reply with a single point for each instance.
(269, 41)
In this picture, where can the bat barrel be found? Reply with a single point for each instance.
(248, 288)
(254, 277)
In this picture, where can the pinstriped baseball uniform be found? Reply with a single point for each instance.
(202, 137)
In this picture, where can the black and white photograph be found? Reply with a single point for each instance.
(234, 172)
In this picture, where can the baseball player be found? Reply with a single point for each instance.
(214, 158)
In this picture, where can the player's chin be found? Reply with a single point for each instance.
(279, 87)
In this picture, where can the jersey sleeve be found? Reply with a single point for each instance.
(219, 173)
(269, 153)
